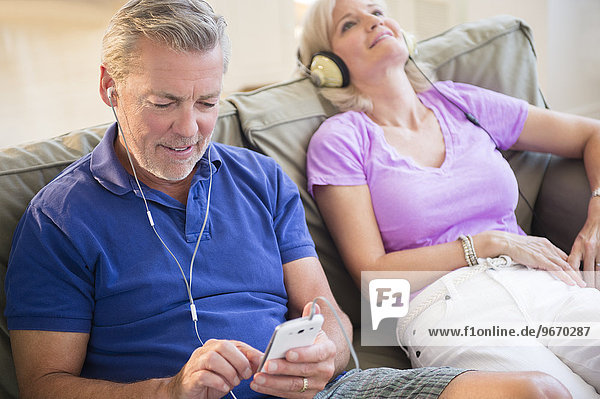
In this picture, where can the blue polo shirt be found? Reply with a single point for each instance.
(85, 259)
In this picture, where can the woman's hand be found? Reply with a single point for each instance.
(286, 378)
(586, 247)
(538, 253)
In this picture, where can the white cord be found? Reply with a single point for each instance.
(188, 286)
(339, 321)
(205, 218)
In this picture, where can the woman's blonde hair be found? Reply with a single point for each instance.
(315, 37)
(182, 25)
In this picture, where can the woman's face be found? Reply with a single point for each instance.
(365, 38)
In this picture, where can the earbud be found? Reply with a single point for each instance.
(110, 91)
(329, 70)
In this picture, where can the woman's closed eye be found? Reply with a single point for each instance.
(347, 25)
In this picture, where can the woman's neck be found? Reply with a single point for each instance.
(395, 102)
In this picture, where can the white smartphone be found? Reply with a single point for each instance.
(292, 334)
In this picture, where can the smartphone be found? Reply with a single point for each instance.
(292, 334)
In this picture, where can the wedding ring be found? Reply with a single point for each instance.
(304, 384)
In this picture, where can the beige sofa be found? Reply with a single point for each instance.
(278, 120)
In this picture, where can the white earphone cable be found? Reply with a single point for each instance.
(188, 285)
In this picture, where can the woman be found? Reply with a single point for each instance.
(408, 180)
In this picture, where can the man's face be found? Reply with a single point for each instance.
(168, 106)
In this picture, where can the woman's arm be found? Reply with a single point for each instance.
(573, 137)
(349, 216)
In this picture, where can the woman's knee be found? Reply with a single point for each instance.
(497, 385)
(535, 384)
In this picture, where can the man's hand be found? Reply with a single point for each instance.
(286, 377)
(214, 369)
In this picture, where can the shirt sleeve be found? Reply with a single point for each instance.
(289, 221)
(55, 288)
(502, 116)
(335, 154)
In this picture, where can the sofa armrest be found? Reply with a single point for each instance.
(561, 206)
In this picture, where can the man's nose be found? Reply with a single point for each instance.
(186, 124)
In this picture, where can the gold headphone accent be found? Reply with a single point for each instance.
(328, 70)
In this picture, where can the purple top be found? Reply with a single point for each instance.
(473, 191)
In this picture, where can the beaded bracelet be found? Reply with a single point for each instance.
(469, 249)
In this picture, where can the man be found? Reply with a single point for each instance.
(159, 264)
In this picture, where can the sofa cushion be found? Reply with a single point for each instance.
(561, 209)
(24, 170)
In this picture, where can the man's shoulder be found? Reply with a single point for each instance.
(66, 185)
(242, 156)
(259, 171)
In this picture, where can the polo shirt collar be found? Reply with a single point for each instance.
(108, 171)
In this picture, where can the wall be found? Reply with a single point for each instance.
(49, 52)
(566, 35)
(49, 57)
(262, 33)
(573, 68)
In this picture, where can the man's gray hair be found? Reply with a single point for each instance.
(182, 25)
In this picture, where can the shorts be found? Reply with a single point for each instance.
(421, 383)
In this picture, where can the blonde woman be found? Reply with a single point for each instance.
(407, 180)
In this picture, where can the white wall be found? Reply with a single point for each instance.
(566, 34)
(49, 67)
(262, 33)
(573, 55)
(49, 52)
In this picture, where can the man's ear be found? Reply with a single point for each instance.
(106, 82)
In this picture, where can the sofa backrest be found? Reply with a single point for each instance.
(278, 121)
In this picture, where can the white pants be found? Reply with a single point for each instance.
(507, 297)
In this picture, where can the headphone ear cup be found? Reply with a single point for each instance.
(328, 70)
(411, 43)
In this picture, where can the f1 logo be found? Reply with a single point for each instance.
(388, 298)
